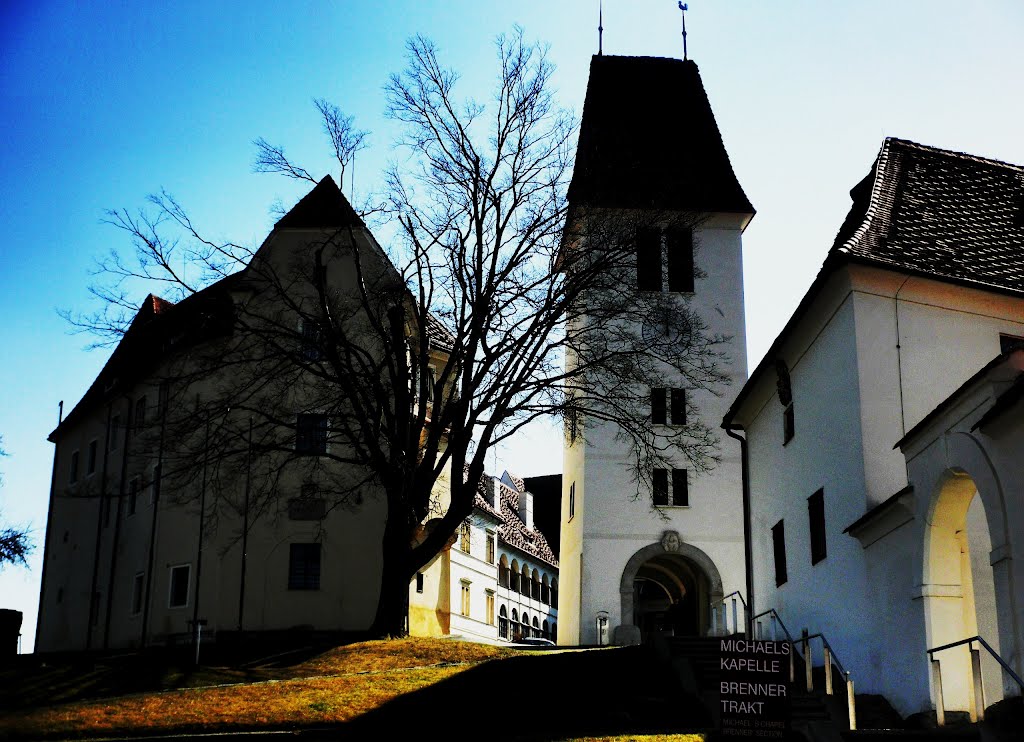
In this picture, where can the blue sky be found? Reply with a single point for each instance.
(104, 103)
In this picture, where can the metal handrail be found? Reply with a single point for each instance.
(738, 594)
(991, 651)
(832, 652)
(724, 605)
(773, 612)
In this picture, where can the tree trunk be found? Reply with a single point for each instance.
(392, 617)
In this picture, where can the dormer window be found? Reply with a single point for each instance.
(785, 389)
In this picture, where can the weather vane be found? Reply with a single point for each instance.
(600, 27)
(683, 7)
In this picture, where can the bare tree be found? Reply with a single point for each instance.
(15, 544)
(497, 306)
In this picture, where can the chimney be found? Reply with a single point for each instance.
(526, 508)
(495, 497)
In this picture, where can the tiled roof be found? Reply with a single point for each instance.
(511, 529)
(945, 214)
(323, 207)
(438, 334)
(648, 139)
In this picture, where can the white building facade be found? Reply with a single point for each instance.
(636, 563)
(920, 290)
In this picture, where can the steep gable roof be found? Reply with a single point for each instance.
(941, 213)
(323, 207)
(511, 529)
(931, 212)
(648, 139)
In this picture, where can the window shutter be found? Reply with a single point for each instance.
(658, 406)
(660, 481)
(648, 260)
(679, 407)
(680, 487)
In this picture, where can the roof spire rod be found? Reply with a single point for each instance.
(683, 7)
(600, 27)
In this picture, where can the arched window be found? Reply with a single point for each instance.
(554, 632)
(536, 626)
(524, 581)
(535, 586)
(545, 591)
(525, 624)
(514, 576)
(503, 572)
(516, 632)
(545, 632)
(554, 593)
(503, 623)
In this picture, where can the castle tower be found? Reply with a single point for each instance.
(649, 143)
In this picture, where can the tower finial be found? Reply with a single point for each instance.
(683, 7)
(600, 27)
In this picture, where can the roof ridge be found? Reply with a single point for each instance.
(954, 153)
(872, 210)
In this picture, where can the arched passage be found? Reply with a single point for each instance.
(667, 591)
(963, 539)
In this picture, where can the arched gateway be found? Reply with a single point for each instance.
(667, 589)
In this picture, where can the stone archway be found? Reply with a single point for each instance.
(674, 567)
(965, 569)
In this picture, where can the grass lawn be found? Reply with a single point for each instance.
(397, 689)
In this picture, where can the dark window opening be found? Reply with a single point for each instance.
(73, 475)
(90, 464)
(178, 596)
(310, 341)
(680, 259)
(816, 516)
(140, 414)
(137, 592)
(311, 434)
(133, 496)
(572, 500)
(419, 582)
(679, 407)
(779, 547)
(648, 260)
(304, 567)
(115, 426)
(658, 409)
(680, 487)
(660, 481)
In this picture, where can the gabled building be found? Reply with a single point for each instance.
(884, 478)
(498, 579)
(203, 477)
(660, 560)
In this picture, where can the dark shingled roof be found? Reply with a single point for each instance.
(648, 139)
(941, 213)
(323, 207)
(926, 211)
(511, 529)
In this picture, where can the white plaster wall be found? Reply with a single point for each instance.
(612, 522)
(482, 576)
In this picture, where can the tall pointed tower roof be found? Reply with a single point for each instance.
(648, 139)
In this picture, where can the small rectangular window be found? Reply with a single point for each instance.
(659, 479)
(658, 409)
(648, 259)
(90, 462)
(311, 434)
(73, 473)
(138, 584)
(679, 407)
(310, 341)
(788, 424)
(304, 567)
(680, 488)
(679, 244)
(133, 496)
(490, 607)
(816, 517)
(779, 548)
(115, 428)
(140, 414)
(572, 500)
(465, 598)
(464, 539)
(490, 548)
(419, 582)
(178, 594)
(161, 400)
(154, 484)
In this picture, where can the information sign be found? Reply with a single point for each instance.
(753, 688)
